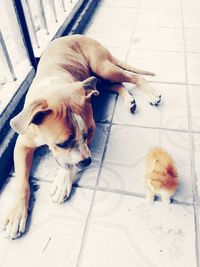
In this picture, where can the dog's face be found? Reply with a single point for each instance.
(64, 122)
(69, 136)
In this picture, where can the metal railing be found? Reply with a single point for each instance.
(42, 18)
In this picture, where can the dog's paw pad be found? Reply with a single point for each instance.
(133, 106)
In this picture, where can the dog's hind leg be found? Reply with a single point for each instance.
(109, 71)
(122, 91)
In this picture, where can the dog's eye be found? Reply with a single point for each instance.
(67, 144)
(88, 134)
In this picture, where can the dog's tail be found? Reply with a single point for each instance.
(127, 67)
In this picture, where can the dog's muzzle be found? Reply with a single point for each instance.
(83, 163)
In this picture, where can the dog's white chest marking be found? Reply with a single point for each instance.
(80, 124)
(81, 148)
(38, 139)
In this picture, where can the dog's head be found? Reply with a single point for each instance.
(63, 120)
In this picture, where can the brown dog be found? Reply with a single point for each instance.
(58, 113)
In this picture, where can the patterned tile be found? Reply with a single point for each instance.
(158, 39)
(163, 18)
(163, 64)
(193, 66)
(169, 114)
(191, 5)
(107, 14)
(112, 36)
(197, 176)
(118, 52)
(191, 18)
(197, 159)
(195, 107)
(51, 227)
(123, 167)
(125, 230)
(192, 37)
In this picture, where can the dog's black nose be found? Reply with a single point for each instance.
(83, 163)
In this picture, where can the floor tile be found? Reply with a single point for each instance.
(191, 18)
(192, 37)
(125, 231)
(163, 18)
(197, 176)
(118, 52)
(170, 113)
(163, 64)
(123, 167)
(159, 5)
(119, 3)
(158, 39)
(197, 159)
(193, 66)
(190, 5)
(194, 92)
(112, 36)
(51, 228)
(107, 14)
(45, 167)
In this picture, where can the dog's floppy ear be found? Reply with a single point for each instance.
(90, 87)
(32, 113)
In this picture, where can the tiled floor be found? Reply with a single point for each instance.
(106, 222)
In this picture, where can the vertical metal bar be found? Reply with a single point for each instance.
(26, 37)
(63, 5)
(32, 23)
(7, 57)
(42, 16)
(52, 3)
(10, 24)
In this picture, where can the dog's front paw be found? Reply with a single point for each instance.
(61, 189)
(15, 223)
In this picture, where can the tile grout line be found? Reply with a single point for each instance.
(128, 193)
(150, 127)
(174, 83)
(133, 31)
(154, 128)
(111, 190)
(84, 238)
(164, 50)
(192, 151)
